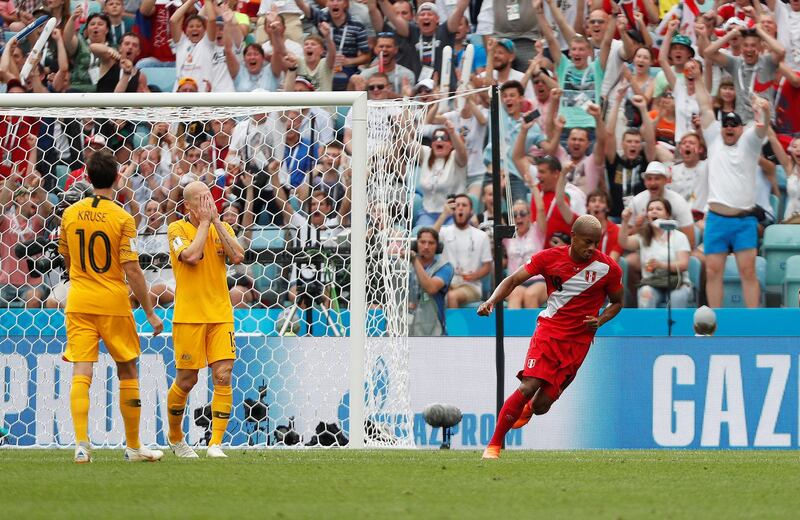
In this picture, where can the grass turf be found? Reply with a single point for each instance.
(324, 484)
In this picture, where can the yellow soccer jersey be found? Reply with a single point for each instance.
(98, 236)
(201, 291)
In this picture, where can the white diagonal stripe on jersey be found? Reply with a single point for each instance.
(573, 287)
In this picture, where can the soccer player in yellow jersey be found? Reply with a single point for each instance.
(202, 324)
(98, 242)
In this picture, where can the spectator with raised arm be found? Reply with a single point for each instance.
(85, 65)
(624, 172)
(443, 171)
(733, 154)
(752, 72)
(425, 37)
(117, 70)
(194, 46)
(250, 72)
(311, 64)
(466, 248)
(349, 36)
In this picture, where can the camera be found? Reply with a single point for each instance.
(309, 287)
(48, 249)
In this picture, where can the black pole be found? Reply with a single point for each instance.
(669, 288)
(499, 352)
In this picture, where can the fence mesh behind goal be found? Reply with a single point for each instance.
(282, 177)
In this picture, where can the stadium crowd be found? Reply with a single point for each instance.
(637, 112)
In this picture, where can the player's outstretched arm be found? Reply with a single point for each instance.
(138, 285)
(505, 287)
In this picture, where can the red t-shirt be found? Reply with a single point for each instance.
(155, 33)
(14, 146)
(610, 240)
(574, 291)
(555, 221)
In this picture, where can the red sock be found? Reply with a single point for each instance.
(509, 414)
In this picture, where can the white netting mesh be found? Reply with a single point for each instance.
(282, 178)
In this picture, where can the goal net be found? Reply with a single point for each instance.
(319, 191)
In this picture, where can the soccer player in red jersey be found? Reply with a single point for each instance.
(579, 279)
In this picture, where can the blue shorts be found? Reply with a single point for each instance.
(729, 234)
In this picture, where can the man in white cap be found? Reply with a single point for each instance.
(656, 177)
(705, 321)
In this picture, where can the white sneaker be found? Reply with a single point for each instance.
(183, 450)
(83, 453)
(143, 454)
(215, 452)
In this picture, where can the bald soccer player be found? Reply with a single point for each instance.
(579, 279)
(202, 324)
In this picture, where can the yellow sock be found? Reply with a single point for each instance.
(221, 404)
(131, 407)
(79, 406)
(176, 405)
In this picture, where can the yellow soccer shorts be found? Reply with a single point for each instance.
(85, 330)
(198, 345)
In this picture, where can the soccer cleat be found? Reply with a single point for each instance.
(215, 452)
(491, 452)
(525, 418)
(183, 450)
(83, 453)
(143, 454)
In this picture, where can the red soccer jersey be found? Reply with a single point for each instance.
(574, 291)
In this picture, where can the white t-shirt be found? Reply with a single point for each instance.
(732, 169)
(514, 74)
(788, 22)
(657, 250)
(221, 80)
(519, 249)
(681, 211)
(691, 183)
(474, 135)
(614, 64)
(444, 177)
(252, 141)
(685, 106)
(195, 60)
(467, 250)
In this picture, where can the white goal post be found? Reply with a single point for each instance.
(276, 101)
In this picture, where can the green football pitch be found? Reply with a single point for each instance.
(324, 484)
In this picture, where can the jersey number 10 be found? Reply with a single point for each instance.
(96, 267)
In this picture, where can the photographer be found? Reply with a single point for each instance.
(50, 262)
(19, 227)
(429, 283)
(154, 255)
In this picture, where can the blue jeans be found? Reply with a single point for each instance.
(650, 297)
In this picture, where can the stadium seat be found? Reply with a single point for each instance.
(162, 77)
(266, 237)
(267, 276)
(780, 242)
(732, 285)
(791, 282)
(695, 266)
(775, 204)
